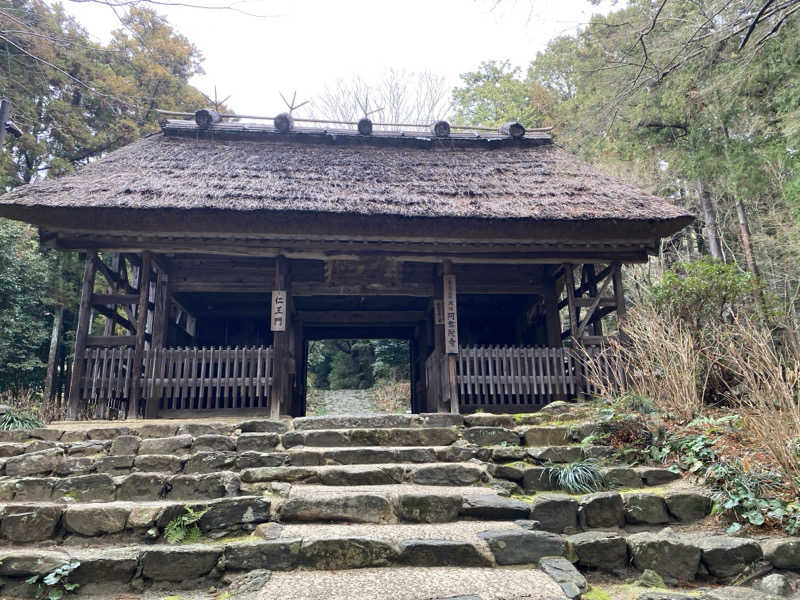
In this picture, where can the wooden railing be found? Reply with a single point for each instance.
(180, 378)
(209, 378)
(492, 375)
(106, 377)
(528, 376)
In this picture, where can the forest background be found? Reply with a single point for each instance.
(696, 101)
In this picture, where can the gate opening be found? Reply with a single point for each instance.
(358, 376)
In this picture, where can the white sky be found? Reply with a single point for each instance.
(305, 44)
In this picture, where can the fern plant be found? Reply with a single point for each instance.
(580, 477)
(183, 529)
(16, 419)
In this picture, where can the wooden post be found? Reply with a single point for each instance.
(141, 326)
(551, 313)
(161, 303)
(451, 332)
(159, 334)
(55, 338)
(619, 296)
(574, 317)
(81, 333)
(281, 379)
(569, 281)
(113, 288)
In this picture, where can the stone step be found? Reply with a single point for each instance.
(127, 521)
(135, 487)
(450, 474)
(469, 544)
(209, 453)
(249, 455)
(37, 457)
(412, 583)
(477, 544)
(396, 503)
(534, 478)
(115, 522)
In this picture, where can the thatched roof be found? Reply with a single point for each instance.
(244, 170)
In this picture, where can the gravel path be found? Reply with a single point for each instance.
(338, 402)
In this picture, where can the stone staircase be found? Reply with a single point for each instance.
(469, 494)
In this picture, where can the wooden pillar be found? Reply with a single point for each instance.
(141, 327)
(280, 318)
(81, 333)
(451, 333)
(551, 312)
(591, 277)
(159, 329)
(619, 296)
(55, 338)
(574, 318)
(160, 312)
(113, 288)
(297, 367)
(569, 282)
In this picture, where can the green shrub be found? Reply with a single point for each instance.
(704, 291)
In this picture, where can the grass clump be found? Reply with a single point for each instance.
(14, 419)
(579, 477)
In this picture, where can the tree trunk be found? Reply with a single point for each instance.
(744, 232)
(747, 244)
(710, 231)
(55, 337)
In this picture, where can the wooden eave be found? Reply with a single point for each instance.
(187, 230)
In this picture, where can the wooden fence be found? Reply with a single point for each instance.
(526, 376)
(209, 378)
(179, 378)
(491, 375)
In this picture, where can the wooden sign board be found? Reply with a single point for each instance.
(277, 319)
(450, 315)
(438, 312)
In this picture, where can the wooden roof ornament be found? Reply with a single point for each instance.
(513, 129)
(441, 129)
(206, 117)
(365, 126)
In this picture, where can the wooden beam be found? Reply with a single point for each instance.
(114, 316)
(101, 341)
(603, 302)
(349, 317)
(583, 288)
(592, 308)
(113, 279)
(141, 325)
(81, 333)
(111, 299)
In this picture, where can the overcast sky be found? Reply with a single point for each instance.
(302, 45)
